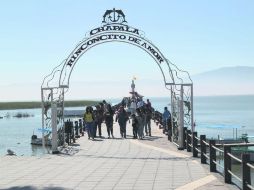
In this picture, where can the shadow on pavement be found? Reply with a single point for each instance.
(97, 140)
(117, 138)
(148, 138)
(173, 158)
(75, 144)
(34, 188)
(152, 138)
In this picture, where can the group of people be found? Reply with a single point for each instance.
(93, 119)
(140, 118)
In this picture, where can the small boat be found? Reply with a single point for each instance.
(38, 141)
(1, 117)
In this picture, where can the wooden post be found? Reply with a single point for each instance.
(227, 164)
(194, 144)
(170, 132)
(212, 156)
(184, 137)
(203, 148)
(245, 172)
(188, 138)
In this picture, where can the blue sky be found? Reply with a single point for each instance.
(197, 36)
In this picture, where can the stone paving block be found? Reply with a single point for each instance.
(123, 188)
(142, 188)
(146, 178)
(84, 187)
(110, 179)
(70, 185)
(126, 181)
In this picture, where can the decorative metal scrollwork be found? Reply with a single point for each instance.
(114, 16)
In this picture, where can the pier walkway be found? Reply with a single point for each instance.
(103, 164)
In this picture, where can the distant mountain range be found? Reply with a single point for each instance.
(225, 81)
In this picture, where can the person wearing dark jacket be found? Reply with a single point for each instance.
(108, 115)
(148, 117)
(98, 120)
(122, 118)
(140, 118)
(134, 126)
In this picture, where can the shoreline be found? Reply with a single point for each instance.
(37, 104)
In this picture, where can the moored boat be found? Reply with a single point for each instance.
(38, 141)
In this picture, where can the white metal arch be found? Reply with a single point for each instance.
(121, 36)
(54, 84)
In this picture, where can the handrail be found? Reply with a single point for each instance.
(217, 149)
(250, 165)
(197, 149)
(220, 144)
(251, 187)
(235, 158)
(201, 145)
(235, 176)
(218, 164)
(234, 145)
(205, 143)
(208, 157)
(176, 144)
(240, 144)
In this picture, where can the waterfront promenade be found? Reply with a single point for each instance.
(153, 163)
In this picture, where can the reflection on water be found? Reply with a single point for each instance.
(37, 150)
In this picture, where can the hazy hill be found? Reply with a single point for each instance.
(225, 81)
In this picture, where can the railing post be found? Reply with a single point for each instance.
(245, 172)
(203, 149)
(188, 138)
(184, 137)
(194, 144)
(212, 156)
(169, 133)
(227, 164)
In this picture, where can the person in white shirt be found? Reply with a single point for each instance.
(133, 107)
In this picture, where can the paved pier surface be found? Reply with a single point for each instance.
(153, 163)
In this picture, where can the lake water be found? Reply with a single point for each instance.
(213, 115)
